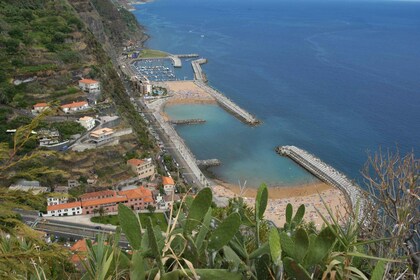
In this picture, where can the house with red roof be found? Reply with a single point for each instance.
(168, 184)
(144, 168)
(89, 85)
(138, 199)
(64, 209)
(39, 107)
(75, 106)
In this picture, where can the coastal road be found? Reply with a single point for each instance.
(66, 229)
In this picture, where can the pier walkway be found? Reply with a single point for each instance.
(323, 171)
(228, 104)
(198, 72)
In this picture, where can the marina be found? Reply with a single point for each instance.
(323, 171)
(156, 70)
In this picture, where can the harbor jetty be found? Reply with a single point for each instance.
(189, 121)
(176, 59)
(228, 104)
(209, 162)
(323, 171)
(198, 72)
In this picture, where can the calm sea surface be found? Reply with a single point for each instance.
(337, 78)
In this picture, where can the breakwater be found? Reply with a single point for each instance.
(209, 162)
(323, 171)
(189, 121)
(198, 72)
(228, 104)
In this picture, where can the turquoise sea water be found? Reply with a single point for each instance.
(337, 78)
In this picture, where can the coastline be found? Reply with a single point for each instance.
(311, 195)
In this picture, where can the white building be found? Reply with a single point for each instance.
(87, 122)
(102, 135)
(75, 106)
(38, 108)
(51, 200)
(89, 85)
(168, 184)
(64, 209)
(48, 137)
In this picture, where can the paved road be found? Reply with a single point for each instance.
(67, 229)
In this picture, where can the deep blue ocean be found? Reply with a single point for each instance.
(337, 78)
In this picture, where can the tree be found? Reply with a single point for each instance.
(394, 210)
(151, 208)
(101, 211)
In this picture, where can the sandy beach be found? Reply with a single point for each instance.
(310, 195)
(186, 92)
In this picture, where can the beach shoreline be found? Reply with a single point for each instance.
(319, 199)
(312, 195)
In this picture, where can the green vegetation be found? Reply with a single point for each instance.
(68, 129)
(37, 39)
(149, 53)
(158, 219)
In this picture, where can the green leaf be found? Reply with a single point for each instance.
(224, 232)
(211, 274)
(295, 270)
(378, 272)
(287, 244)
(275, 247)
(299, 214)
(261, 267)
(230, 255)
(204, 229)
(261, 202)
(153, 243)
(198, 209)
(130, 224)
(301, 244)
(137, 271)
(289, 213)
(263, 249)
(205, 274)
(320, 247)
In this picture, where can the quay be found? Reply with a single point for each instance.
(209, 162)
(228, 104)
(189, 121)
(324, 172)
(198, 72)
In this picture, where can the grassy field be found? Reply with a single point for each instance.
(148, 53)
(157, 219)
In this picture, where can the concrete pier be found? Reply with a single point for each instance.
(176, 61)
(228, 104)
(323, 171)
(190, 121)
(198, 72)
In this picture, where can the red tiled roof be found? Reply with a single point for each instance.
(37, 105)
(96, 194)
(79, 246)
(64, 206)
(137, 193)
(94, 202)
(135, 162)
(74, 104)
(167, 180)
(88, 81)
